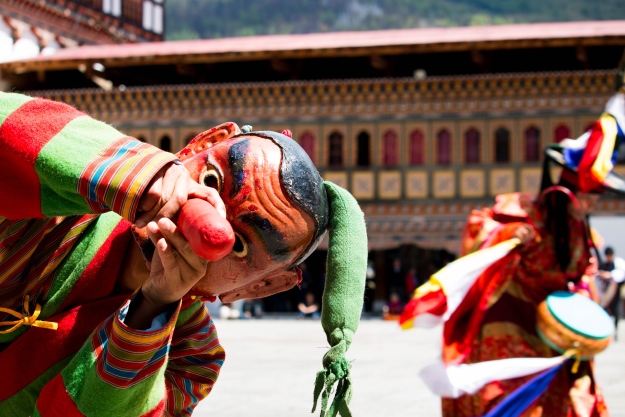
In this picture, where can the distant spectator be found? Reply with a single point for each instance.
(309, 307)
(370, 286)
(410, 281)
(252, 308)
(229, 311)
(396, 279)
(612, 272)
(394, 306)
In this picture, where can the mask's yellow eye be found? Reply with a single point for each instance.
(240, 246)
(210, 178)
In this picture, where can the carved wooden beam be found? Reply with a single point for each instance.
(379, 62)
(384, 64)
(187, 70)
(581, 53)
(479, 59)
(281, 65)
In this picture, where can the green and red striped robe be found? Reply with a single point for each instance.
(69, 188)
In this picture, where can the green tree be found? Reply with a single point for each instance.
(190, 19)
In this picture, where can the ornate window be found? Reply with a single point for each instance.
(390, 148)
(307, 142)
(132, 11)
(363, 144)
(153, 15)
(6, 41)
(416, 145)
(502, 145)
(561, 132)
(112, 7)
(472, 146)
(532, 144)
(165, 143)
(141, 138)
(336, 150)
(443, 150)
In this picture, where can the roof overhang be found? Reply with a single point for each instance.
(319, 45)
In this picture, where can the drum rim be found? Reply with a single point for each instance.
(553, 314)
(558, 348)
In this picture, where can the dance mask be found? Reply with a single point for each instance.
(275, 202)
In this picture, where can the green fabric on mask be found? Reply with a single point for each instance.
(342, 297)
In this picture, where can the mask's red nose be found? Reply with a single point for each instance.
(209, 234)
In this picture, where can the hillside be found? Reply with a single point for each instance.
(192, 19)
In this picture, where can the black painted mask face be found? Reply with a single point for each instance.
(272, 231)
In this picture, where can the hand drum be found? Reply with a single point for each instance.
(570, 321)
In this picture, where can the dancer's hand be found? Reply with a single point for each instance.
(175, 268)
(168, 191)
(525, 233)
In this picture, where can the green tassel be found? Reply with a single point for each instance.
(341, 399)
(320, 381)
(342, 298)
(336, 372)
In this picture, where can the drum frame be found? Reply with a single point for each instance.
(562, 339)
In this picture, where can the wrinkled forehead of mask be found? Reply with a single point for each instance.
(302, 183)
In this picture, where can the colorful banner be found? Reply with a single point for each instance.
(436, 300)
(456, 380)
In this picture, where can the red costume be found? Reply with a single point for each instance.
(497, 319)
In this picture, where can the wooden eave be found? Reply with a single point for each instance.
(43, 14)
(93, 30)
(226, 50)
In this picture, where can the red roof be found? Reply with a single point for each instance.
(345, 43)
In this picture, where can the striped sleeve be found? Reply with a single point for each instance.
(195, 359)
(119, 371)
(127, 356)
(57, 161)
(134, 373)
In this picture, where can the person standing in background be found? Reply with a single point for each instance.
(612, 272)
(411, 282)
(396, 280)
(497, 319)
(370, 286)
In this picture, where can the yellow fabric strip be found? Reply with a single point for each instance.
(26, 319)
(603, 163)
(143, 339)
(432, 285)
(408, 324)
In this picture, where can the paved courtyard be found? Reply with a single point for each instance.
(271, 365)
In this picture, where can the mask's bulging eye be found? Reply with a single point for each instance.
(210, 178)
(240, 246)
